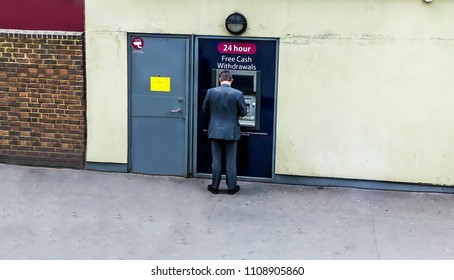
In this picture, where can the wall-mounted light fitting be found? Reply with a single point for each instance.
(428, 1)
(236, 23)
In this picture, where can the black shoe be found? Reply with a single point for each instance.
(235, 190)
(213, 191)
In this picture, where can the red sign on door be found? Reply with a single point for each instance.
(137, 43)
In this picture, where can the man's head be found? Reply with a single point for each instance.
(225, 77)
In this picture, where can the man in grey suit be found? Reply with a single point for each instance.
(224, 104)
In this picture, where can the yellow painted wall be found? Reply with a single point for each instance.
(107, 97)
(364, 89)
(372, 97)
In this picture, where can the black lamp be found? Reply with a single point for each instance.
(236, 23)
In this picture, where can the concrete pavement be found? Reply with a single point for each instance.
(52, 214)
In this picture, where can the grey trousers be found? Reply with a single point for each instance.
(217, 147)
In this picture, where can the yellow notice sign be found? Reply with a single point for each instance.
(160, 84)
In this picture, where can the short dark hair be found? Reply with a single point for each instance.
(225, 75)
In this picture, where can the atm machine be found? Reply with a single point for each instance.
(249, 83)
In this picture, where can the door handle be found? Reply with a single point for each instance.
(176, 110)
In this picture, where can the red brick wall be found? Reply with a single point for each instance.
(42, 98)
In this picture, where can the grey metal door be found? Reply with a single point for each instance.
(158, 89)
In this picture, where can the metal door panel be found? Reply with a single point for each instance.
(158, 119)
(153, 146)
(169, 107)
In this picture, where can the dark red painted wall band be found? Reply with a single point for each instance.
(61, 15)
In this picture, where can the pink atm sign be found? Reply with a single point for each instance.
(236, 48)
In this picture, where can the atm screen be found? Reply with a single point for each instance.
(243, 83)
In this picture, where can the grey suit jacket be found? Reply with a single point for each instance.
(225, 104)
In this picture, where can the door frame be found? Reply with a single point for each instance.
(188, 90)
